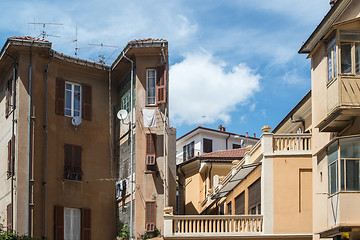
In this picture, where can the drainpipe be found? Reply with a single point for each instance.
(164, 142)
(111, 127)
(46, 139)
(227, 142)
(131, 146)
(12, 139)
(28, 149)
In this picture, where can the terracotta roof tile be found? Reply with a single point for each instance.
(29, 38)
(148, 40)
(231, 153)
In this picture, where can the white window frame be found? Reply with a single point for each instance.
(332, 60)
(73, 215)
(150, 100)
(126, 101)
(72, 108)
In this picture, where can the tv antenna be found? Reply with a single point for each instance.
(43, 34)
(101, 58)
(76, 42)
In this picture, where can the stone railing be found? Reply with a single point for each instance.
(205, 224)
(292, 142)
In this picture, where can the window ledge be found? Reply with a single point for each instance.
(71, 180)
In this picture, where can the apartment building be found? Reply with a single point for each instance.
(335, 79)
(203, 140)
(265, 195)
(63, 147)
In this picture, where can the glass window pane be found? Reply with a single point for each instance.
(342, 171)
(77, 102)
(350, 148)
(357, 58)
(346, 58)
(67, 86)
(333, 152)
(333, 177)
(67, 99)
(350, 35)
(335, 61)
(77, 88)
(330, 66)
(68, 112)
(352, 175)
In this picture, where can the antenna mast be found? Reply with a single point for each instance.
(43, 34)
(101, 58)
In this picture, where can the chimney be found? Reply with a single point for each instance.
(221, 128)
(332, 2)
(254, 135)
(247, 134)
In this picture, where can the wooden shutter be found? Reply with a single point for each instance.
(9, 217)
(207, 145)
(192, 146)
(60, 96)
(161, 84)
(255, 194)
(68, 160)
(150, 218)
(9, 159)
(240, 204)
(7, 102)
(59, 223)
(85, 224)
(86, 102)
(184, 153)
(150, 149)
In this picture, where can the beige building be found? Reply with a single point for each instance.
(265, 195)
(63, 148)
(334, 48)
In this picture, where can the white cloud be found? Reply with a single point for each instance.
(200, 86)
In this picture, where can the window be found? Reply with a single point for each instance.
(72, 169)
(229, 208)
(240, 204)
(332, 60)
(72, 223)
(343, 165)
(255, 197)
(150, 149)
(221, 210)
(125, 101)
(150, 218)
(156, 85)
(151, 86)
(73, 99)
(208, 145)
(10, 99)
(236, 146)
(350, 52)
(11, 158)
(188, 151)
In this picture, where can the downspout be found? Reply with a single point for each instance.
(46, 139)
(210, 175)
(164, 143)
(12, 140)
(227, 142)
(28, 149)
(111, 127)
(131, 146)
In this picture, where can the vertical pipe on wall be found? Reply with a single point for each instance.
(131, 146)
(164, 143)
(28, 149)
(46, 140)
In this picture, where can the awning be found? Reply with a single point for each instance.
(241, 174)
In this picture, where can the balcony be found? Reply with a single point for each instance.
(202, 226)
(343, 103)
(291, 143)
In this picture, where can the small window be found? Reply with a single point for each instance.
(150, 218)
(10, 99)
(188, 151)
(151, 150)
(11, 158)
(222, 209)
(208, 145)
(126, 102)
(72, 99)
(255, 197)
(229, 208)
(236, 146)
(332, 60)
(151, 86)
(240, 204)
(72, 169)
(72, 223)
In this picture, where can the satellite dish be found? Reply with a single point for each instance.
(122, 114)
(76, 121)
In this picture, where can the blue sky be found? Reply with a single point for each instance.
(232, 62)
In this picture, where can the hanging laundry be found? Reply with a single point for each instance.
(149, 117)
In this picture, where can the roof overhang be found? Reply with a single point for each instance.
(334, 231)
(237, 178)
(324, 26)
(338, 119)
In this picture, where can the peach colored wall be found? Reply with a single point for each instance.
(292, 195)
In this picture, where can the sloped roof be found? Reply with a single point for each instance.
(148, 40)
(28, 38)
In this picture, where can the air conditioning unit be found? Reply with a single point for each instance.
(150, 227)
(150, 159)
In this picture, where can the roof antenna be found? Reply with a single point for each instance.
(76, 42)
(101, 58)
(43, 34)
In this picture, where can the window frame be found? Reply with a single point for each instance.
(148, 102)
(72, 100)
(73, 172)
(332, 56)
(72, 219)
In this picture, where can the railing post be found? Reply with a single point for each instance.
(168, 221)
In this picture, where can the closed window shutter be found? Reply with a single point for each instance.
(59, 223)
(161, 84)
(86, 102)
(207, 145)
(9, 217)
(85, 224)
(255, 194)
(150, 148)
(150, 218)
(77, 161)
(68, 159)
(9, 159)
(60, 96)
(184, 153)
(240, 204)
(7, 102)
(192, 145)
